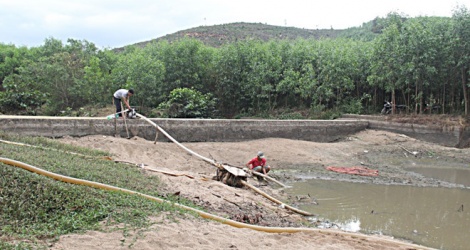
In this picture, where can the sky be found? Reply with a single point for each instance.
(117, 23)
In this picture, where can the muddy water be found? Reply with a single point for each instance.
(433, 217)
(458, 176)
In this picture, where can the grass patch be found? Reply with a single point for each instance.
(36, 208)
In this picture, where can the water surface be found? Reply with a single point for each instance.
(433, 217)
(458, 176)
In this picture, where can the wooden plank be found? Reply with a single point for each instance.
(235, 171)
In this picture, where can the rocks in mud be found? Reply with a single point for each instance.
(306, 199)
(248, 218)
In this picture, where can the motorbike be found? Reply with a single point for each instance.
(432, 108)
(387, 109)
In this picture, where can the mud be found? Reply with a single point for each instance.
(291, 161)
(391, 160)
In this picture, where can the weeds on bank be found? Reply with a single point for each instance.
(20, 246)
(37, 208)
(51, 144)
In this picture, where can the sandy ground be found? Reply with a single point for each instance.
(290, 159)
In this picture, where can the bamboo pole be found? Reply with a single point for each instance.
(125, 122)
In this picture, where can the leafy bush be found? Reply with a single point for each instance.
(352, 106)
(188, 103)
(320, 112)
(20, 96)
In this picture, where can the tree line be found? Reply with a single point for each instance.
(419, 62)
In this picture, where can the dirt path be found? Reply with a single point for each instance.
(290, 159)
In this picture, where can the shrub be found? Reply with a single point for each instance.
(188, 103)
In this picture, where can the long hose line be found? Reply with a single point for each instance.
(175, 141)
(203, 214)
(217, 164)
(196, 154)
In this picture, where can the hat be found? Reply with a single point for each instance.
(260, 154)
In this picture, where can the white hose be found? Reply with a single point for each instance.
(220, 165)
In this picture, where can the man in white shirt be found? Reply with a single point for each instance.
(122, 95)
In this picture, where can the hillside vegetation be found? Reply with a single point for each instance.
(218, 35)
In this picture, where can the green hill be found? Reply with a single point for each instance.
(217, 35)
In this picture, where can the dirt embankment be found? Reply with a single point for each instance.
(426, 119)
(387, 152)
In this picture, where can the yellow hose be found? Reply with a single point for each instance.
(93, 184)
(203, 214)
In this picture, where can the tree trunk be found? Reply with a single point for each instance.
(444, 97)
(408, 102)
(417, 103)
(452, 98)
(404, 99)
(465, 88)
(375, 99)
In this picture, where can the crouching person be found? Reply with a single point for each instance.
(258, 164)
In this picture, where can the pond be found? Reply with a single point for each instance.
(457, 176)
(429, 216)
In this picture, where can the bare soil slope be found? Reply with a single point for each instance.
(288, 158)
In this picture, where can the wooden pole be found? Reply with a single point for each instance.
(156, 136)
(125, 122)
(115, 120)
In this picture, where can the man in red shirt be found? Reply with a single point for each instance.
(258, 164)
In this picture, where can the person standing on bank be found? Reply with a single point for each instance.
(122, 95)
(258, 164)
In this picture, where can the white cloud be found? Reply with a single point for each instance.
(116, 23)
(54, 21)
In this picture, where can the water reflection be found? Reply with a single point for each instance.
(352, 225)
(433, 217)
(458, 176)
